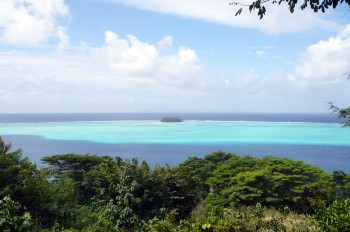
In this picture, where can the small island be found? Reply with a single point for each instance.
(171, 119)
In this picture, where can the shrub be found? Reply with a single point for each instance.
(10, 220)
(335, 218)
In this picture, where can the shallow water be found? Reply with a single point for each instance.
(189, 132)
(316, 139)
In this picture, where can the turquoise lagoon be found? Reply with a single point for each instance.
(189, 132)
(326, 145)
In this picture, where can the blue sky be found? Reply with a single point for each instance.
(170, 56)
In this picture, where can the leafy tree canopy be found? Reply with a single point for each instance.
(10, 218)
(342, 112)
(202, 168)
(270, 181)
(73, 163)
(21, 180)
(315, 5)
(95, 193)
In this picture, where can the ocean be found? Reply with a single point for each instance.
(317, 139)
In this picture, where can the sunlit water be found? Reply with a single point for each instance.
(324, 144)
(189, 132)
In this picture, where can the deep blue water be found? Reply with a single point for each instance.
(32, 118)
(325, 156)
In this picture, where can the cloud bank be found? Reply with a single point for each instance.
(277, 20)
(129, 75)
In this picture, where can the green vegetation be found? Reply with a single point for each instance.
(219, 192)
(171, 119)
(335, 218)
(10, 220)
(342, 112)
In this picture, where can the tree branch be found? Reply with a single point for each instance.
(315, 5)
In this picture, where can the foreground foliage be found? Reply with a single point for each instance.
(335, 218)
(219, 192)
(10, 220)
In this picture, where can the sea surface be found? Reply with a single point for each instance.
(317, 139)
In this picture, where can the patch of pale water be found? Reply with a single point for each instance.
(189, 132)
(321, 141)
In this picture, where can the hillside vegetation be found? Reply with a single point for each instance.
(219, 192)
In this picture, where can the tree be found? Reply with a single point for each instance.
(10, 218)
(132, 193)
(341, 185)
(202, 168)
(22, 181)
(315, 5)
(4, 147)
(342, 112)
(271, 181)
(72, 164)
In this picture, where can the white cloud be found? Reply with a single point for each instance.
(129, 75)
(277, 20)
(30, 22)
(182, 69)
(63, 39)
(325, 61)
(133, 58)
(129, 57)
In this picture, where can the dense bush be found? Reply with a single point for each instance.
(11, 219)
(23, 182)
(335, 218)
(219, 192)
(232, 180)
